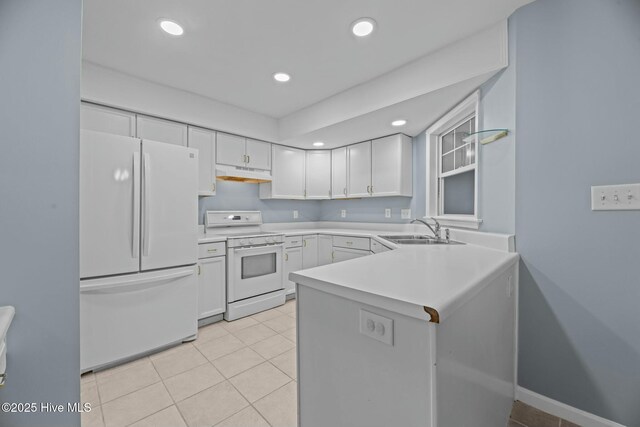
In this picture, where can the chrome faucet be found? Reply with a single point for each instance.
(436, 231)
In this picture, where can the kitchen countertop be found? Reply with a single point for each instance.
(426, 282)
(203, 238)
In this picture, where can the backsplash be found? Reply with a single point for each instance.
(242, 196)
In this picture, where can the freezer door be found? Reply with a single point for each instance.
(169, 223)
(109, 204)
(125, 316)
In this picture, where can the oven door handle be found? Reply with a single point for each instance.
(255, 248)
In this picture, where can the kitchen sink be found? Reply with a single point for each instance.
(413, 239)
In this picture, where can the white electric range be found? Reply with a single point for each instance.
(254, 262)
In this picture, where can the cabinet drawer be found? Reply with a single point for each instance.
(377, 247)
(292, 241)
(208, 250)
(351, 242)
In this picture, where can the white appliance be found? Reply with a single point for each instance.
(138, 246)
(254, 262)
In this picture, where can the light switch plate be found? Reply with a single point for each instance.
(405, 213)
(615, 197)
(343, 213)
(377, 327)
(387, 213)
(295, 214)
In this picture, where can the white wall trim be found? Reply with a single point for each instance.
(559, 409)
(470, 105)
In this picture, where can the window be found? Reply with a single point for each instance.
(452, 171)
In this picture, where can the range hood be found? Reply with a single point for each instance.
(240, 174)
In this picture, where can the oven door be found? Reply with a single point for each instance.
(254, 271)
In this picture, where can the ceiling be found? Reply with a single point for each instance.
(231, 49)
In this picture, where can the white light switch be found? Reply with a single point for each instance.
(405, 213)
(343, 213)
(295, 214)
(387, 213)
(615, 197)
(377, 327)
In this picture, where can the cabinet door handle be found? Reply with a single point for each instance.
(372, 189)
(369, 189)
(198, 270)
(244, 158)
(248, 159)
(304, 243)
(286, 257)
(333, 256)
(213, 187)
(329, 193)
(345, 191)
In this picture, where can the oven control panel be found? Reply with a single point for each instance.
(255, 240)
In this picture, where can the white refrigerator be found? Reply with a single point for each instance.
(138, 246)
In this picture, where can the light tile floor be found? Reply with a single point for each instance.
(236, 374)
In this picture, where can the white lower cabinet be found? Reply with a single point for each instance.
(325, 249)
(292, 262)
(344, 254)
(310, 251)
(212, 282)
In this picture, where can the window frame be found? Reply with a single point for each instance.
(469, 107)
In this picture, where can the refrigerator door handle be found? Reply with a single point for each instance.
(145, 221)
(135, 233)
(117, 284)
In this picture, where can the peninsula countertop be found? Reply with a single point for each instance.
(427, 282)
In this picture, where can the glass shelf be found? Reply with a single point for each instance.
(486, 136)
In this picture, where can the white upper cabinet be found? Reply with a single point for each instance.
(205, 141)
(359, 167)
(258, 154)
(108, 120)
(392, 166)
(231, 150)
(287, 176)
(318, 171)
(339, 173)
(379, 168)
(161, 130)
(243, 152)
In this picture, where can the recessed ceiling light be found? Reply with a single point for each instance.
(363, 27)
(282, 77)
(318, 144)
(171, 27)
(401, 122)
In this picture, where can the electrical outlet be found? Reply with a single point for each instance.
(377, 327)
(405, 213)
(295, 214)
(387, 213)
(343, 213)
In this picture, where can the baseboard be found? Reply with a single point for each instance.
(562, 410)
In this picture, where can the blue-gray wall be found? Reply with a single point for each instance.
(577, 106)
(39, 117)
